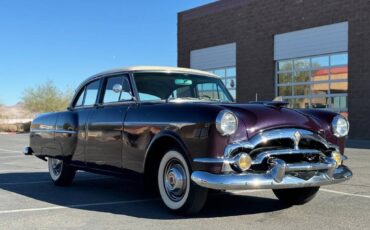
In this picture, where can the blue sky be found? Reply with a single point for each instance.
(67, 41)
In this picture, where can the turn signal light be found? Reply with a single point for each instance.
(244, 161)
(337, 157)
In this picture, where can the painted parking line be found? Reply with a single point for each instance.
(23, 170)
(321, 189)
(344, 193)
(10, 156)
(58, 207)
(10, 151)
(49, 181)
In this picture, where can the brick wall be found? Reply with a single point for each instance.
(252, 24)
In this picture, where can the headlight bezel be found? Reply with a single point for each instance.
(220, 126)
(334, 126)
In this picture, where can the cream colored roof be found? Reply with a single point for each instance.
(164, 69)
(158, 69)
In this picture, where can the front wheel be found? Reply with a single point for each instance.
(177, 190)
(60, 173)
(296, 196)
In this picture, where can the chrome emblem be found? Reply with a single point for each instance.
(297, 136)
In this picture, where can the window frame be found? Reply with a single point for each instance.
(101, 78)
(105, 79)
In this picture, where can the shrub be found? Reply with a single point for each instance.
(46, 98)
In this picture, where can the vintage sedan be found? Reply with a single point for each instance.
(182, 131)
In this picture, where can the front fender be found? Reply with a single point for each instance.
(167, 137)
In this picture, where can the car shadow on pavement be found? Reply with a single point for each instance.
(113, 195)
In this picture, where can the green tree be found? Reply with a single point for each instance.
(46, 98)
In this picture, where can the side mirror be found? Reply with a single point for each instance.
(117, 88)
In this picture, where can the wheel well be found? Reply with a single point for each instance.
(154, 156)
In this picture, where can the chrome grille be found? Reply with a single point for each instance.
(290, 145)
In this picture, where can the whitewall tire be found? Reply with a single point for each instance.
(60, 173)
(177, 190)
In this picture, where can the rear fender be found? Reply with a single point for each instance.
(54, 135)
(66, 133)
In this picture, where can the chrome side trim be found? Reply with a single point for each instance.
(53, 131)
(209, 160)
(290, 133)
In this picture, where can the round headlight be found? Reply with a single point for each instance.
(226, 123)
(340, 126)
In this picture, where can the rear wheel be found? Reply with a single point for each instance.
(177, 190)
(296, 196)
(61, 173)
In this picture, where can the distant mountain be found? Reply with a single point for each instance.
(14, 112)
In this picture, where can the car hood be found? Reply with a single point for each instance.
(257, 117)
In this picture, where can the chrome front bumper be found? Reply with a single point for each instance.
(280, 174)
(276, 178)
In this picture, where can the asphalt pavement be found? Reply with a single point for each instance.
(29, 200)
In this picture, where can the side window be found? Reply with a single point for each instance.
(80, 100)
(111, 96)
(91, 93)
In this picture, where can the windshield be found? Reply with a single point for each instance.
(180, 87)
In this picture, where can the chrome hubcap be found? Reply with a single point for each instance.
(56, 166)
(175, 180)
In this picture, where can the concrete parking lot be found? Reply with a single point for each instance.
(29, 200)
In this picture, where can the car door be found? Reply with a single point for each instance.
(104, 143)
(83, 105)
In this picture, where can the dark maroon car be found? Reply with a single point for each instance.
(181, 130)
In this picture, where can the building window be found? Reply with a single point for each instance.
(228, 77)
(314, 82)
